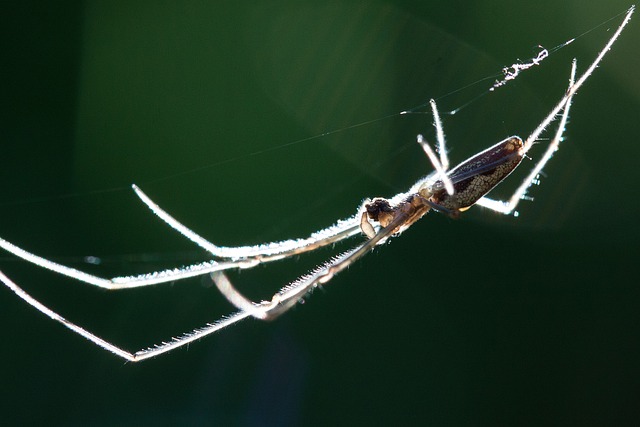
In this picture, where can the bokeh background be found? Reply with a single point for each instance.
(214, 108)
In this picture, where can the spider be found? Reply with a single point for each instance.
(449, 191)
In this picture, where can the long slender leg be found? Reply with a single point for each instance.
(441, 166)
(124, 282)
(437, 123)
(132, 357)
(440, 170)
(266, 251)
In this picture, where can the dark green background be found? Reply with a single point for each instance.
(487, 320)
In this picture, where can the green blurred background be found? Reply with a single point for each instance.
(487, 320)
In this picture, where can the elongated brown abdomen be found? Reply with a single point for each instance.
(476, 176)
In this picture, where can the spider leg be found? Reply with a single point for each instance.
(437, 123)
(442, 165)
(267, 251)
(440, 170)
(125, 282)
(118, 351)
